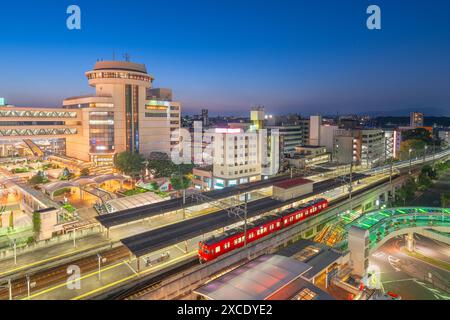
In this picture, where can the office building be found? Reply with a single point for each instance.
(416, 119)
(365, 147)
(315, 123)
(205, 118)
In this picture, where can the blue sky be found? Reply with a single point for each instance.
(291, 56)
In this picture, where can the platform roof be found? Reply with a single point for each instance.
(258, 279)
(291, 183)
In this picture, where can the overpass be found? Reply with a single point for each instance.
(35, 123)
(370, 231)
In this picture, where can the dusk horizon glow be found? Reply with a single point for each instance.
(232, 55)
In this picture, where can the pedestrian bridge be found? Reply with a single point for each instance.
(385, 224)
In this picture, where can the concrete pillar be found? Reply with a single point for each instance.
(410, 242)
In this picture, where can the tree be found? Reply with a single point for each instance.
(37, 179)
(445, 199)
(429, 171)
(166, 168)
(416, 146)
(417, 134)
(36, 222)
(424, 181)
(84, 172)
(65, 174)
(129, 163)
(180, 183)
(155, 185)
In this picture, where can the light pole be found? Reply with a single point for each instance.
(15, 252)
(425, 153)
(410, 159)
(28, 286)
(99, 257)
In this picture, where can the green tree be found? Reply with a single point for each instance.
(429, 171)
(84, 172)
(129, 163)
(424, 181)
(66, 174)
(445, 199)
(415, 145)
(37, 179)
(36, 222)
(417, 134)
(180, 183)
(155, 185)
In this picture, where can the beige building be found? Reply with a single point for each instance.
(124, 114)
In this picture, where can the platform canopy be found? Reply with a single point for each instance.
(258, 279)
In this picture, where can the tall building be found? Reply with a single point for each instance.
(416, 119)
(205, 118)
(257, 117)
(315, 123)
(117, 117)
(235, 157)
(364, 147)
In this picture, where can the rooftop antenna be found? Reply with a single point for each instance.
(126, 56)
(114, 55)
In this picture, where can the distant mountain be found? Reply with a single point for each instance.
(436, 112)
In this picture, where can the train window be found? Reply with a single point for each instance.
(226, 245)
(217, 249)
(257, 232)
(278, 224)
(285, 220)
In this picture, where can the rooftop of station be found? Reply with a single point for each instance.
(291, 183)
(268, 277)
(318, 256)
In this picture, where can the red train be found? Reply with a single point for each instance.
(215, 246)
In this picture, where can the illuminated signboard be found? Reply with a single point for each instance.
(227, 130)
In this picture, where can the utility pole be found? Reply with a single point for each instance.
(10, 289)
(410, 159)
(245, 220)
(15, 252)
(350, 187)
(74, 237)
(99, 257)
(28, 286)
(425, 153)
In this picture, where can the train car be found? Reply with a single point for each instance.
(300, 213)
(232, 239)
(215, 246)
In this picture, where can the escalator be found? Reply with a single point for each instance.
(37, 152)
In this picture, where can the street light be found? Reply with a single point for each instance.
(409, 151)
(425, 153)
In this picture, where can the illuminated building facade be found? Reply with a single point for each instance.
(124, 114)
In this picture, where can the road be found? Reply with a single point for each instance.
(432, 197)
(407, 276)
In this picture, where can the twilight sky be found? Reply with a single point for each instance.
(226, 55)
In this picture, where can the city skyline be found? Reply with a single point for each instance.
(233, 66)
